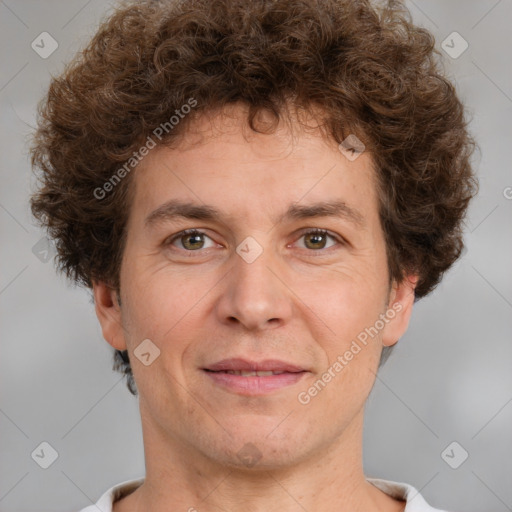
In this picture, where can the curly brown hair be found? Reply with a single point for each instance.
(372, 72)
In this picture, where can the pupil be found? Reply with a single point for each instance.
(316, 238)
(191, 238)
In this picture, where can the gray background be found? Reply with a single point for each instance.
(449, 379)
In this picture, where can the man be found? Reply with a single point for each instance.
(256, 193)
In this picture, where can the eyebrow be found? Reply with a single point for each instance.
(179, 209)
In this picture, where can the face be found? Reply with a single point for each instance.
(283, 269)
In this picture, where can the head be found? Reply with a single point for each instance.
(244, 111)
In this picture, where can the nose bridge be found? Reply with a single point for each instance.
(253, 294)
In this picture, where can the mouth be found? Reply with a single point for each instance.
(254, 378)
(249, 373)
(246, 365)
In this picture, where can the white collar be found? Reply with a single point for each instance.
(399, 490)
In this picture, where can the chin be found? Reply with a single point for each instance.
(261, 448)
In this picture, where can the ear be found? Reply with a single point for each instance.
(108, 312)
(401, 300)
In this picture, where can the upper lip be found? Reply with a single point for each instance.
(255, 366)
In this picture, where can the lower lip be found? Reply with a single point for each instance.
(254, 385)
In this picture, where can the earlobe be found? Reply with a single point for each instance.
(108, 311)
(401, 301)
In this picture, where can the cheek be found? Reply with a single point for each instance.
(153, 305)
(167, 307)
(159, 310)
(349, 311)
(347, 300)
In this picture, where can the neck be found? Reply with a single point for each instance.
(180, 478)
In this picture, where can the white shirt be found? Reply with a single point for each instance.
(414, 500)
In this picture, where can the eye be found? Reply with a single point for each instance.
(317, 239)
(190, 240)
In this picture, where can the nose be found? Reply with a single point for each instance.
(255, 294)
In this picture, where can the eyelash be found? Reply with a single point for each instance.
(315, 231)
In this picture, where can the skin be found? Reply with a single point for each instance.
(303, 300)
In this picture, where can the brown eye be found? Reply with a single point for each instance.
(317, 239)
(190, 240)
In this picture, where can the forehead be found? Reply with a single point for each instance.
(221, 162)
(297, 134)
